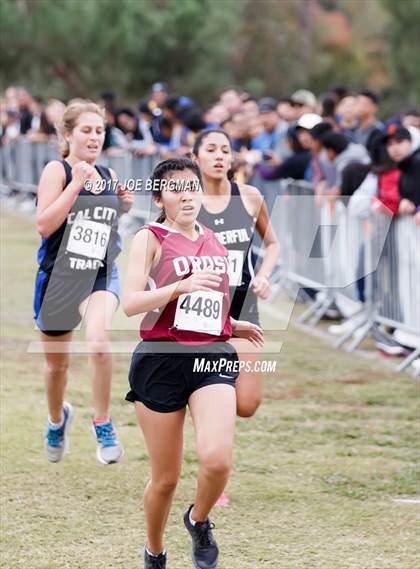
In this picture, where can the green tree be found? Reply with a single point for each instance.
(404, 49)
(71, 48)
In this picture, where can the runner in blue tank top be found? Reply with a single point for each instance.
(77, 217)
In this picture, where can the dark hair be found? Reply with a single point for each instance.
(320, 130)
(249, 98)
(125, 111)
(328, 104)
(376, 146)
(192, 119)
(411, 112)
(335, 141)
(225, 122)
(353, 175)
(349, 94)
(204, 133)
(171, 103)
(370, 95)
(293, 140)
(144, 107)
(164, 170)
(108, 96)
(340, 91)
(164, 122)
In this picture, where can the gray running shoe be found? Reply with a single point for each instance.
(109, 450)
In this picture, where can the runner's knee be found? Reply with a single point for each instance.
(165, 484)
(217, 461)
(57, 367)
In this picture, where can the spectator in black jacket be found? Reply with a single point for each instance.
(400, 148)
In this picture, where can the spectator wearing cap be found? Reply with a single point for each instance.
(302, 128)
(303, 101)
(379, 190)
(367, 107)
(400, 148)
(272, 141)
(159, 94)
(340, 153)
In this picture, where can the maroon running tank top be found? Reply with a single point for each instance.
(193, 318)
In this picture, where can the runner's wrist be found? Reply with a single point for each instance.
(264, 275)
(74, 187)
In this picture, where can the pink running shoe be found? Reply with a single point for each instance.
(223, 500)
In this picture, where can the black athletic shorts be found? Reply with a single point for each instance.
(57, 299)
(244, 305)
(164, 382)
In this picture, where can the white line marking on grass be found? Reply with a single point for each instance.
(407, 500)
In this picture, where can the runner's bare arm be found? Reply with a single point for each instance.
(256, 206)
(265, 230)
(136, 300)
(54, 203)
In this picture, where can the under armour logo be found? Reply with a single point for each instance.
(220, 221)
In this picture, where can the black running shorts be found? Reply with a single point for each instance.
(164, 382)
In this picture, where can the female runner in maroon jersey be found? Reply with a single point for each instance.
(178, 274)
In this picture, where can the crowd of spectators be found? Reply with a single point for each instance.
(331, 141)
(335, 141)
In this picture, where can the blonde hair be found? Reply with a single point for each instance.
(69, 119)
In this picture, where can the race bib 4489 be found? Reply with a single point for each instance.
(200, 311)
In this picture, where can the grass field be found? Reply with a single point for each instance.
(315, 477)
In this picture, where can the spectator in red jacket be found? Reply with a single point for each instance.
(399, 146)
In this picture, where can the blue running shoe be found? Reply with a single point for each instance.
(109, 450)
(57, 441)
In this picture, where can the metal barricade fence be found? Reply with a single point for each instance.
(23, 162)
(397, 294)
(382, 252)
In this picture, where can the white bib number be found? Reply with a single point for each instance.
(236, 261)
(89, 238)
(200, 311)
